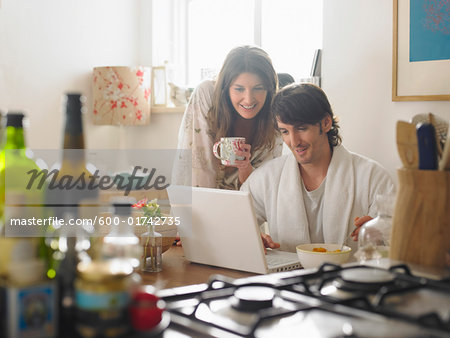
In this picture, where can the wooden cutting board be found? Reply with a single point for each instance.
(407, 144)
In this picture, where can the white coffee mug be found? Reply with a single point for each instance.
(228, 147)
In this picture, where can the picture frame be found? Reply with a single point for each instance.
(422, 79)
(159, 87)
(316, 68)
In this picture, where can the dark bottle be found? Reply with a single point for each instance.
(73, 159)
(65, 203)
(73, 164)
(65, 277)
(72, 182)
(59, 201)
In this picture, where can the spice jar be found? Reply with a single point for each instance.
(102, 295)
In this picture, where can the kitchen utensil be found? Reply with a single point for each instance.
(439, 123)
(426, 139)
(444, 163)
(407, 144)
(345, 241)
(436, 136)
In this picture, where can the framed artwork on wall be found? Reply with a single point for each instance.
(421, 50)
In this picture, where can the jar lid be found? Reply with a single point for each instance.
(102, 270)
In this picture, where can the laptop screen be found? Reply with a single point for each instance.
(218, 227)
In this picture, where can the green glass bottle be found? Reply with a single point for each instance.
(14, 163)
(16, 202)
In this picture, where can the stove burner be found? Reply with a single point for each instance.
(363, 279)
(353, 301)
(367, 275)
(252, 298)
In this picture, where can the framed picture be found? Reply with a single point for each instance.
(421, 51)
(316, 68)
(159, 87)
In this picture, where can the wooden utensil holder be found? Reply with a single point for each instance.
(421, 222)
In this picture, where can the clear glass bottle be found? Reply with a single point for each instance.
(374, 235)
(121, 242)
(151, 242)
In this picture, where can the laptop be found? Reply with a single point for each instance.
(219, 227)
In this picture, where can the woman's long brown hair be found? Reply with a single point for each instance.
(244, 59)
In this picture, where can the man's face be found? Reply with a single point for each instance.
(308, 142)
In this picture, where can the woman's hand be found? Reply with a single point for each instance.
(268, 242)
(244, 166)
(358, 222)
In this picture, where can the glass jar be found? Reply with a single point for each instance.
(374, 236)
(102, 296)
(121, 242)
(151, 242)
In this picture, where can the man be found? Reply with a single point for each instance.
(317, 193)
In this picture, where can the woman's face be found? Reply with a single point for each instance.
(247, 95)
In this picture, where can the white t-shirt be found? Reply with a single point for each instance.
(314, 211)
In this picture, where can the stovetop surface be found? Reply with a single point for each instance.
(332, 301)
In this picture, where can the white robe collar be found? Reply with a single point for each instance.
(338, 200)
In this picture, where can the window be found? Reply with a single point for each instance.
(192, 37)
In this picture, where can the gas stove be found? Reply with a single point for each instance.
(331, 301)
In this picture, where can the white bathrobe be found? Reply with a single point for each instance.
(352, 183)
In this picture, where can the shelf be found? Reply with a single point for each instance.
(167, 110)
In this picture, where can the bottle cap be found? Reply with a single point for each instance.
(14, 119)
(123, 205)
(104, 270)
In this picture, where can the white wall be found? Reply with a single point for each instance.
(48, 47)
(357, 77)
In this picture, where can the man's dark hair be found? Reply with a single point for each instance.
(305, 103)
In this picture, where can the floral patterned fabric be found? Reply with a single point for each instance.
(121, 95)
(203, 169)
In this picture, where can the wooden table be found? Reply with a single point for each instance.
(178, 271)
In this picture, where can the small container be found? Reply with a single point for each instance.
(151, 242)
(421, 222)
(375, 235)
(121, 242)
(29, 311)
(146, 309)
(102, 295)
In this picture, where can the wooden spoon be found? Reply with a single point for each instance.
(407, 144)
(444, 163)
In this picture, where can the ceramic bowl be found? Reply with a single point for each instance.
(312, 259)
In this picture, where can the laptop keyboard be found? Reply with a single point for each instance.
(276, 258)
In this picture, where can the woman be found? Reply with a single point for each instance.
(237, 104)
